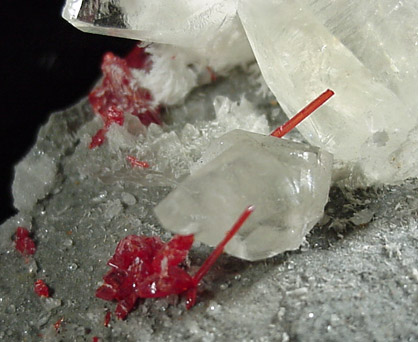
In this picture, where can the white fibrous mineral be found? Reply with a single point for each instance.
(366, 52)
(288, 183)
(207, 28)
(174, 73)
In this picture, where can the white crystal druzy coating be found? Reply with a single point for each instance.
(365, 51)
(288, 183)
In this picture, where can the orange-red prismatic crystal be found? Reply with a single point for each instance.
(304, 113)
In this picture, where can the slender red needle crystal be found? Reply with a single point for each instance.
(304, 113)
(219, 249)
(107, 319)
(135, 162)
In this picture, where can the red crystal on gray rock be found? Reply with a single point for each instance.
(120, 93)
(41, 289)
(145, 267)
(23, 242)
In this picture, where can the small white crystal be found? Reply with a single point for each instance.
(362, 217)
(288, 183)
(51, 303)
(34, 179)
(112, 209)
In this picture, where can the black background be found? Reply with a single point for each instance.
(46, 65)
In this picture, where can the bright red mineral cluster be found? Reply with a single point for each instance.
(23, 242)
(41, 289)
(120, 93)
(146, 267)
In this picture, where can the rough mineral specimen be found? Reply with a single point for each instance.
(287, 182)
(365, 51)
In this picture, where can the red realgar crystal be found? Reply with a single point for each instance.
(23, 242)
(135, 162)
(303, 114)
(145, 267)
(41, 289)
(57, 324)
(107, 318)
(120, 93)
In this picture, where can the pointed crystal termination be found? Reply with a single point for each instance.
(209, 29)
(366, 52)
(288, 182)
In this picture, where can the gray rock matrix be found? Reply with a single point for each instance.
(354, 279)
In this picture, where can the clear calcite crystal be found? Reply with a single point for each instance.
(366, 52)
(208, 28)
(287, 182)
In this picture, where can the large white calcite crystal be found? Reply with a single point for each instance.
(288, 183)
(209, 29)
(367, 52)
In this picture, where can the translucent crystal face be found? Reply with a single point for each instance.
(287, 182)
(209, 29)
(366, 52)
